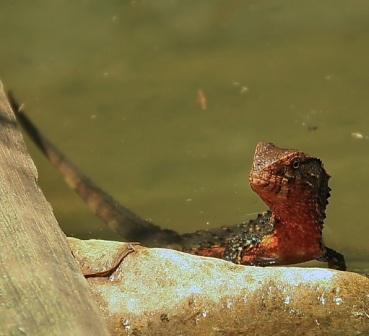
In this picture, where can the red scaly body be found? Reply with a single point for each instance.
(295, 187)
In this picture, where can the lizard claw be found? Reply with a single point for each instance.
(334, 259)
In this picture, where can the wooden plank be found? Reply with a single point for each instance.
(42, 291)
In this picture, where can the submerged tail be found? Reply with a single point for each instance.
(118, 218)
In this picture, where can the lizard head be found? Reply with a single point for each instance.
(289, 179)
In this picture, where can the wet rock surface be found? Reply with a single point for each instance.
(155, 291)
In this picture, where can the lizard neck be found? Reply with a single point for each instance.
(298, 229)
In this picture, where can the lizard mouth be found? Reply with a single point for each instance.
(269, 187)
(258, 182)
(264, 181)
(263, 187)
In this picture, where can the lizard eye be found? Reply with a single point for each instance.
(296, 164)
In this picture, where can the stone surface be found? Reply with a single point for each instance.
(165, 292)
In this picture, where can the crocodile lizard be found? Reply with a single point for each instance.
(292, 184)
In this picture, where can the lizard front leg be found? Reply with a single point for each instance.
(246, 251)
(334, 259)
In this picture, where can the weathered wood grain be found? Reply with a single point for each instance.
(42, 291)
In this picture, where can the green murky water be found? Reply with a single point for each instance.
(114, 84)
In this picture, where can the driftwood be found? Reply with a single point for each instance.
(42, 291)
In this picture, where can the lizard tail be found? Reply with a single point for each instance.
(118, 218)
